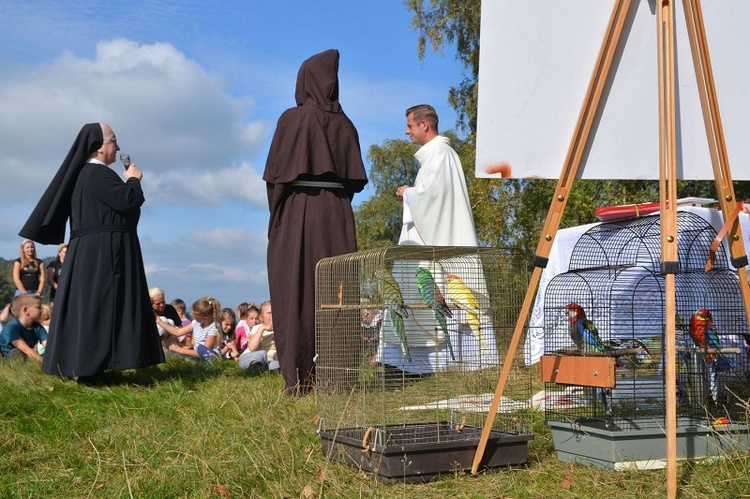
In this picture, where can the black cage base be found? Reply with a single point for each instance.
(422, 452)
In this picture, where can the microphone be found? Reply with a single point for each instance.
(125, 158)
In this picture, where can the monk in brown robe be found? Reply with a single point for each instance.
(313, 170)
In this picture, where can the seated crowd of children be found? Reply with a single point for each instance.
(208, 333)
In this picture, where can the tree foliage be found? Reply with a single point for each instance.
(7, 287)
(378, 219)
(442, 23)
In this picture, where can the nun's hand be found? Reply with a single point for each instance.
(133, 171)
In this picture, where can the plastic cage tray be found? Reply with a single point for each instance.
(421, 452)
(641, 443)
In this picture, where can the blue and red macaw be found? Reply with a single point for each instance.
(582, 331)
(705, 335)
(586, 338)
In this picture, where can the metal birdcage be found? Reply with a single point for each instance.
(410, 341)
(614, 286)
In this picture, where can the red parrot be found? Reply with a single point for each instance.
(582, 331)
(586, 338)
(703, 332)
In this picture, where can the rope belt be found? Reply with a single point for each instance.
(317, 183)
(96, 230)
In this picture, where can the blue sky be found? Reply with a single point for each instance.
(193, 90)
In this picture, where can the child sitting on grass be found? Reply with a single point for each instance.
(206, 334)
(181, 308)
(261, 348)
(228, 341)
(46, 316)
(251, 319)
(20, 336)
(241, 312)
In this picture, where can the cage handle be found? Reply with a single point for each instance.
(460, 426)
(365, 445)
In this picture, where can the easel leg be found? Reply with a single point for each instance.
(668, 210)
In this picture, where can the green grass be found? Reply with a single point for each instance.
(184, 429)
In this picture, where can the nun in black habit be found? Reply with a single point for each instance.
(102, 317)
(313, 170)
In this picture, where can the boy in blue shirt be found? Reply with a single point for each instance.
(20, 336)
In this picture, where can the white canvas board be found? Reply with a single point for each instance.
(536, 61)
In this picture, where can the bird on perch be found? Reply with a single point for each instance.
(586, 338)
(582, 331)
(463, 298)
(431, 295)
(705, 335)
(393, 300)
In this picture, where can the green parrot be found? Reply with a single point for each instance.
(394, 301)
(431, 295)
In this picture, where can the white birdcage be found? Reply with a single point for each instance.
(410, 341)
(614, 287)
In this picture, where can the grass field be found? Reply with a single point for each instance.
(184, 429)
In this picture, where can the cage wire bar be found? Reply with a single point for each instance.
(615, 278)
(395, 368)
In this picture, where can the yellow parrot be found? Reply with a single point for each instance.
(463, 298)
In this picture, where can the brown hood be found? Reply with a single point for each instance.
(318, 82)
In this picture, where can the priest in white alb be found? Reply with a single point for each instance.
(437, 211)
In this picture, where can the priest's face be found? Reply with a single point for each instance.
(417, 131)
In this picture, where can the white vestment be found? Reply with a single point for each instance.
(437, 211)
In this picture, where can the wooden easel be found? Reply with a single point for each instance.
(667, 190)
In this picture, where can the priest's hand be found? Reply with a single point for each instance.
(400, 191)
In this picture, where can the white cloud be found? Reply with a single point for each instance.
(168, 112)
(229, 283)
(231, 241)
(212, 273)
(207, 186)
